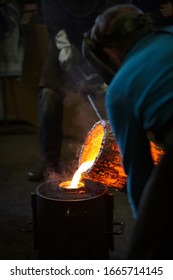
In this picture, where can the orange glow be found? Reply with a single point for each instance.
(66, 184)
(77, 176)
(100, 145)
(92, 146)
(156, 152)
(100, 159)
(89, 156)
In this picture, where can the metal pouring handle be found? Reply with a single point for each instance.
(87, 78)
(94, 107)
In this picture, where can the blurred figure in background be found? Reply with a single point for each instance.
(11, 34)
(64, 68)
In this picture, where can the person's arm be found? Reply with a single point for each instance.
(133, 143)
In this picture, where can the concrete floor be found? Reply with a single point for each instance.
(19, 149)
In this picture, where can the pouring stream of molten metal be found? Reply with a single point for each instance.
(100, 145)
(77, 175)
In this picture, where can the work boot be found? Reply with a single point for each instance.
(39, 170)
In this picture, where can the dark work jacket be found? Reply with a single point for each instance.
(56, 17)
(152, 7)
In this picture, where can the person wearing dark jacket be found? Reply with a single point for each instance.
(136, 58)
(64, 68)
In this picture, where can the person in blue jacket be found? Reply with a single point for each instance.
(137, 59)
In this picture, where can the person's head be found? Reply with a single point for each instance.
(114, 33)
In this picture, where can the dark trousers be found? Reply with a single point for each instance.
(51, 124)
(51, 98)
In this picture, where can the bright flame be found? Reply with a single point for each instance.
(77, 175)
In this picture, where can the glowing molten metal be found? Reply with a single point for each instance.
(100, 159)
(77, 176)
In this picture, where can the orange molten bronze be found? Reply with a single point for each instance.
(100, 146)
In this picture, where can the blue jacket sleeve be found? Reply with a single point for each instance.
(134, 146)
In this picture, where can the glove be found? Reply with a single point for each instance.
(64, 46)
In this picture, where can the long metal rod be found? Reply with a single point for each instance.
(94, 107)
(88, 78)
